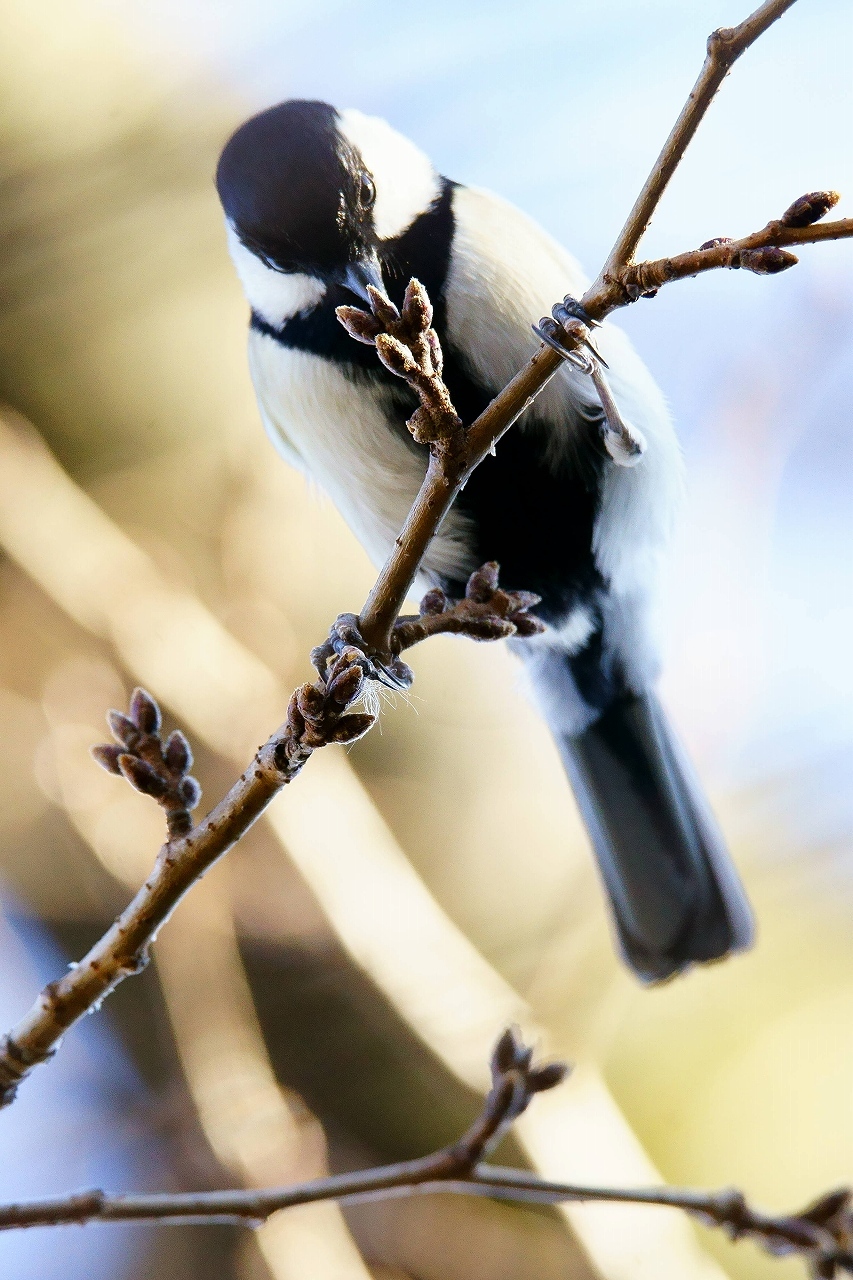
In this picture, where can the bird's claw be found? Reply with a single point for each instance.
(345, 634)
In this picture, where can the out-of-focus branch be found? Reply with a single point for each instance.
(515, 1081)
(821, 1234)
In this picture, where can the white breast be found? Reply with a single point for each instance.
(338, 432)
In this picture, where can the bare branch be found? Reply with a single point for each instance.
(821, 1234)
(606, 294)
(318, 715)
(725, 46)
(763, 252)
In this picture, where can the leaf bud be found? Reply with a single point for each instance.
(144, 711)
(809, 208)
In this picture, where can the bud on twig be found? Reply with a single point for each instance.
(123, 729)
(143, 776)
(483, 583)
(766, 262)
(487, 612)
(417, 308)
(153, 768)
(409, 348)
(359, 324)
(144, 712)
(435, 601)
(178, 754)
(108, 756)
(352, 727)
(346, 687)
(383, 308)
(809, 208)
(396, 358)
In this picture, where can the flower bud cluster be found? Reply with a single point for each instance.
(153, 767)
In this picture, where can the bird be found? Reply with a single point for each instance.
(322, 203)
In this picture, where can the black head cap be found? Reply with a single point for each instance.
(296, 191)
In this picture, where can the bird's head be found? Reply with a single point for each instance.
(314, 193)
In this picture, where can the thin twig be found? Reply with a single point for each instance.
(724, 47)
(764, 252)
(822, 1233)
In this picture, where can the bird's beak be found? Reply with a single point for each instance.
(358, 275)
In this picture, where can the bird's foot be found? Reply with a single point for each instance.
(345, 638)
(570, 323)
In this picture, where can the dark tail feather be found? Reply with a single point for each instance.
(676, 895)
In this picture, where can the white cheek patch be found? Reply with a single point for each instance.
(406, 182)
(276, 296)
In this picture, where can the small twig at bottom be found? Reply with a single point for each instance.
(821, 1234)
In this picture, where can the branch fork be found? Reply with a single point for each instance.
(762, 252)
(486, 612)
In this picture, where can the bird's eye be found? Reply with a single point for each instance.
(366, 192)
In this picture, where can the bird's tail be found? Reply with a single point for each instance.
(676, 896)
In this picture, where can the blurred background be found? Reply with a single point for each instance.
(327, 997)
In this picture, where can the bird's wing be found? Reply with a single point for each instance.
(505, 272)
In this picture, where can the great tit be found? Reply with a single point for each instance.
(320, 203)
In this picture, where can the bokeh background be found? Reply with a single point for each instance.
(326, 998)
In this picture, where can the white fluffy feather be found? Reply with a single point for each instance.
(337, 436)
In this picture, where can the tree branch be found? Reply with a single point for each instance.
(763, 252)
(369, 647)
(822, 1233)
(724, 48)
(317, 716)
